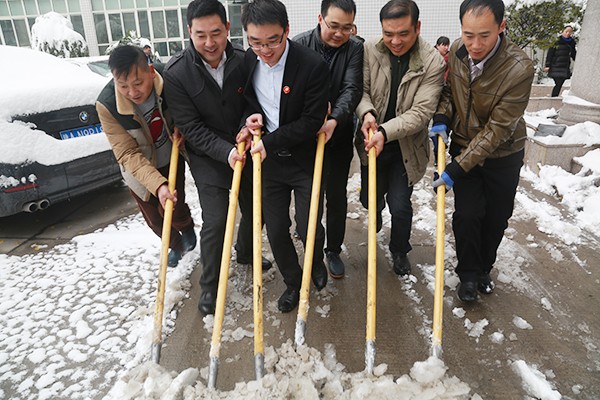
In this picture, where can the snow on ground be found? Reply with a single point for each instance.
(78, 318)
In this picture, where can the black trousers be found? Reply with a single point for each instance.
(153, 212)
(335, 180)
(214, 201)
(282, 176)
(392, 185)
(483, 202)
(558, 82)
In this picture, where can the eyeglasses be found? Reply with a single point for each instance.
(272, 44)
(338, 28)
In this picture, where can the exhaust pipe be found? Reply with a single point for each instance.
(43, 204)
(30, 207)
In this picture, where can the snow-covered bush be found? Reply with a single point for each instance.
(52, 33)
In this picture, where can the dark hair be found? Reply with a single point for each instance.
(264, 12)
(400, 8)
(205, 8)
(123, 57)
(479, 6)
(347, 6)
(442, 40)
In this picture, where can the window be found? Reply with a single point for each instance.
(127, 4)
(172, 24)
(9, 34)
(129, 22)
(158, 24)
(101, 32)
(97, 5)
(44, 6)
(186, 34)
(22, 32)
(59, 6)
(77, 22)
(144, 27)
(174, 48)
(4, 9)
(30, 7)
(73, 6)
(16, 8)
(116, 28)
(112, 4)
(161, 48)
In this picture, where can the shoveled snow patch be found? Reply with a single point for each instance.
(534, 382)
(304, 373)
(497, 337)
(476, 329)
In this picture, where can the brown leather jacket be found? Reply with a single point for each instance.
(486, 115)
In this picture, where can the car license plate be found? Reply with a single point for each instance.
(80, 132)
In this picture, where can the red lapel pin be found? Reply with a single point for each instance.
(286, 90)
(240, 90)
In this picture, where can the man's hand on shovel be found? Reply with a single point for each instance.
(164, 194)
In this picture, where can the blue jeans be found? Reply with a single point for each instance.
(392, 186)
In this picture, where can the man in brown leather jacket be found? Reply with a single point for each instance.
(482, 105)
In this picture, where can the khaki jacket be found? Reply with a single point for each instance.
(131, 140)
(486, 115)
(418, 96)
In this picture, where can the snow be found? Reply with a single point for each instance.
(78, 318)
(28, 89)
(535, 382)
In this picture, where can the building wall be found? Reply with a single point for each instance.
(103, 22)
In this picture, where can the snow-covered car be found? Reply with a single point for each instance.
(97, 64)
(51, 142)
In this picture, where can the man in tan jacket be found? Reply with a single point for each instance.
(140, 132)
(482, 105)
(403, 78)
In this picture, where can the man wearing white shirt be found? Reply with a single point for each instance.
(287, 92)
(205, 86)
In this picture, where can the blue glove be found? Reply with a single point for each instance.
(445, 179)
(438, 129)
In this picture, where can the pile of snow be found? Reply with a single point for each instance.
(303, 373)
(534, 382)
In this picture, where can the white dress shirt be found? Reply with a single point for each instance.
(219, 72)
(267, 85)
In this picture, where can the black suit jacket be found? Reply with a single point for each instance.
(303, 105)
(208, 116)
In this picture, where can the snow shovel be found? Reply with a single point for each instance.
(438, 297)
(215, 345)
(371, 260)
(310, 241)
(164, 255)
(259, 347)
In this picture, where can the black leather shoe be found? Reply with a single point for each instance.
(173, 258)
(266, 264)
(335, 265)
(401, 264)
(288, 300)
(319, 276)
(485, 284)
(467, 291)
(208, 300)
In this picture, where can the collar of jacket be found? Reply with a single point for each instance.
(198, 58)
(416, 60)
(126, 107)
(316, 35)
(463, 55)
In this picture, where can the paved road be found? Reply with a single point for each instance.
(553, 285)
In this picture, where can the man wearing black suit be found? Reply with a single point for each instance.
(287, 86)
(204, 86)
